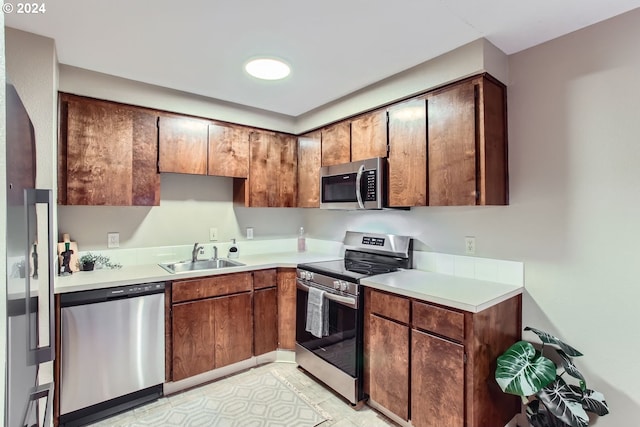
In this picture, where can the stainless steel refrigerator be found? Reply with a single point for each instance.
(30, 274)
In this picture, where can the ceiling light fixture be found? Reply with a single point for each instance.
(267, 68)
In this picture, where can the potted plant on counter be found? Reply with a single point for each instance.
(90, 261)
(550, 400)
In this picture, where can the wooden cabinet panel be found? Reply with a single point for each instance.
(233, 329)
(182, 145)
(452, 146)
(492, 157)
(287, 308)
(408, 154)
(309, 162)
(272, 166)
(391, 306)
(369, 136)
(193, 326)
(228, 150)
(389, 365)
(265, 320)
(107, 154)
(439, 320)
(186, 290)
(437, 382)
(265, 278)
(336, 144)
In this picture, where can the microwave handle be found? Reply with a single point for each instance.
(358, 186)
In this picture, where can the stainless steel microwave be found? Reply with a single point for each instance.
(355, 185)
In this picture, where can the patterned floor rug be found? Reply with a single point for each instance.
(268, 400)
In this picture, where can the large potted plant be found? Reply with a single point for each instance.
(551, 399)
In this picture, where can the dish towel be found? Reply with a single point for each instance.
(317, 313)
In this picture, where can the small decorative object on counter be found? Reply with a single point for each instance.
(73, 246)
(90, 261)
(34, 256)
(302, 242)
(550, 400)
(233, 250)
(65, 269)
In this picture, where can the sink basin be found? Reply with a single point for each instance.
(209, 264)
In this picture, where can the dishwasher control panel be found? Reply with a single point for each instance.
(136, 289)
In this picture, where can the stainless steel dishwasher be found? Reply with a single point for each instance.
(112, 351)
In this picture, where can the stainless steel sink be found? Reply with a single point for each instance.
(209, 264)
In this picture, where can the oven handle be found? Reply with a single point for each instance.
(348, 301)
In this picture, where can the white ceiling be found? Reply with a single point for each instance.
(335, 47)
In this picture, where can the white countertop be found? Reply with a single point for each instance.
(131, 275)
(457, 292)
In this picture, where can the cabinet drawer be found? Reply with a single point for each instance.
(265, 278)
(439, 320)
(391, 306)
(186, 290)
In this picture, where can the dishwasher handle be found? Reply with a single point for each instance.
(108, 294)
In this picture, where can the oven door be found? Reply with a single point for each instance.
(342, 347)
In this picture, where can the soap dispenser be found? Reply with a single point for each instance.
(233, 250)
(302, 243)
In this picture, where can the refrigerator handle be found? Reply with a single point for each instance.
(42, 391)
(39, 354)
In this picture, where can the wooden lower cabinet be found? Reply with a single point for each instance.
(287, 308)
(437, 381)
(193, 338)
(434, 365)
(211, 324)
(265, 320)
(389, 364)
(233, 329)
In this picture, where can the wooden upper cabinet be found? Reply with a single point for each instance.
(273, 171)
(228, 150)
(408, 154)
(369, 136)
(183, 145)
(107, 154)
(309, 161)
(336, 144)
(467, 144)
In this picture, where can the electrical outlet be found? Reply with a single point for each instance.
(470, 245)
(213, 234)
(249, 233)
(113, 240)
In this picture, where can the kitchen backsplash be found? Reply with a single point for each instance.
(500, 271)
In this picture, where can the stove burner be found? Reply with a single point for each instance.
(367, 268)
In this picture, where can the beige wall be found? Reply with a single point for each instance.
(574, 133)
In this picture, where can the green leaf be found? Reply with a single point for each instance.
(570, 368)
(564, 403)
(592, 401)
(523, 371)
(550, 339)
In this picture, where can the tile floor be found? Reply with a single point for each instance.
(343, 415)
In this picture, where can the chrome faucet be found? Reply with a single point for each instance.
(194, 254)
(215, 252)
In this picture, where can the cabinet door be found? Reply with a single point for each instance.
(183, 145)
(389, 365)
(452, 146)
(287, 309)
(437, 381)
(309, 162)
(193, 326)
(228, 151)
(336, 144)
(107, 154)
(408, 154)
(233, 329)
(265, 320)
(369, 136)
(272, 165)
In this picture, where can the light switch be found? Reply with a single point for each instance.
(113, 240)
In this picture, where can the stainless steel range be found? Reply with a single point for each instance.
(329, 308)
